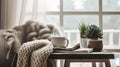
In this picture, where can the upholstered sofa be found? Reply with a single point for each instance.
(3, 52)
(13, 56)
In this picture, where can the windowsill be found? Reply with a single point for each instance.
(112, 48)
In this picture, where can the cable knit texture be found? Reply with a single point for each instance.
(30, 56)
(31, 42)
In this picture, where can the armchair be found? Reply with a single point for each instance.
(31, 43)
(3, 52)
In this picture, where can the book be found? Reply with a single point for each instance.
(80, 50)
(84, 50)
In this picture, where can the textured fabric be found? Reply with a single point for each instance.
(31, 42)
(39, 57)
(29, 31)
(30, 50)
(32, 36)
(3, 51)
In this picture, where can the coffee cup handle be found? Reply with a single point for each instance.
(67, 42)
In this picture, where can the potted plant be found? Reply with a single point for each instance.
(94, 34)
(83, 28)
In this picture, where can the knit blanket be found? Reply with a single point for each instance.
(34, 53)
(31, 42)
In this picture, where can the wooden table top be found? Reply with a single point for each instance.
(80, 55)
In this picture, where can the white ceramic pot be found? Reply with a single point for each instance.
(83, 43)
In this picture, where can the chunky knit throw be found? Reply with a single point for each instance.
(34, 53)
(31, 42)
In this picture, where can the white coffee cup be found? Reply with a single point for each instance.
(61, 42)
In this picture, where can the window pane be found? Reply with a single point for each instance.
(111, 26)
(71, 21)
(106, 38)
(116, 38)
(80, 5)
(111, 21)
(52, 19)
(111, 37)
(111, 5)
(53, 5)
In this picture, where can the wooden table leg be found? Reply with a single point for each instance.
(100, 64)
(51, 63)
(67, 63)
(93, 64)
(107, 63)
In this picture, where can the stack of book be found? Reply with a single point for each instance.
(80, 50)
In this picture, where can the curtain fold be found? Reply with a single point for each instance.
(34, 10)
(21, 11)
(16, 12)
(8, 13)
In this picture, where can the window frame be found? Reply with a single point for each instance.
(100, 13)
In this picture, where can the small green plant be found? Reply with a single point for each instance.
(82, 28)
(93, 31)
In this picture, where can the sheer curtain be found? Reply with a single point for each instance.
(16, 12)
(32, 9)
(8, 13)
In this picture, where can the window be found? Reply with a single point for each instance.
(68, 14)
(111, 5)
(80, 5)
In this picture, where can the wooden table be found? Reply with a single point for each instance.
(83, 57)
